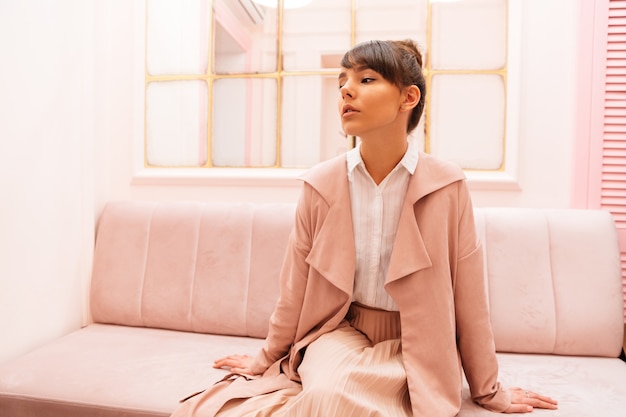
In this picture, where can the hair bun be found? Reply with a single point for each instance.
(410, 46)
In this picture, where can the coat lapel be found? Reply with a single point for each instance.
(409, 253)
(333, 253)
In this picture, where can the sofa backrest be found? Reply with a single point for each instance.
(201, 267)
(553, 280)
(553, 276)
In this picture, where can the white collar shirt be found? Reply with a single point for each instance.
(375, 215)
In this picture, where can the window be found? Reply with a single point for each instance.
(236, 84)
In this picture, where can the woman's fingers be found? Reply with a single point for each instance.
(541, 401)
(518, 408)
(235, 362)
(241, 371)
(524, 401)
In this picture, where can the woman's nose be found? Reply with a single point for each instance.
(346, 90)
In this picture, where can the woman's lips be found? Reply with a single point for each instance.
(348, 110)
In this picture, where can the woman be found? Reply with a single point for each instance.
(382, 303)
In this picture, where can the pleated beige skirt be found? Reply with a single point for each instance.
(354, 371)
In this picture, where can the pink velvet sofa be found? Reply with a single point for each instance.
(176, 285)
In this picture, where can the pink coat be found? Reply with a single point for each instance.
(435, 277)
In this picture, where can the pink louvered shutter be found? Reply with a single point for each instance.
(613, 192)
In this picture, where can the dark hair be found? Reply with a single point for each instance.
(399, 62)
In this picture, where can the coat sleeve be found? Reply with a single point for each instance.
(474, 333)
(293, 279)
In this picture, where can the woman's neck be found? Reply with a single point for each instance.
(381, 156)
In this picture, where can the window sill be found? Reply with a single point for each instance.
(283, 177)
(496, 181)
(241, 177)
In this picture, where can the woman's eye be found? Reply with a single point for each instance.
(364, 80)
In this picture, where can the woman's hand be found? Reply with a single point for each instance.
(238, 364)
(524, 401)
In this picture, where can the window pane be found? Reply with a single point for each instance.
(469, 34)
(313, 33)
(244, 122)
(464, 107)
(245, 37)
(392, 19)
(178, 35)
(311, 128)
(176, 123)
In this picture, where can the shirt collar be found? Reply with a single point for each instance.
(408, 161)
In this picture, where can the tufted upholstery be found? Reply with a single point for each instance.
(212, 268)
(209, 268)
(554, 280)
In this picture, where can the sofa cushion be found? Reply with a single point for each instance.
(109, 370)
(210, 268)
(583, 386)
(119, 371)
(553, 279)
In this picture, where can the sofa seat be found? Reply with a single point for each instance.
(584, 386)
(101, 370)
(109, 370)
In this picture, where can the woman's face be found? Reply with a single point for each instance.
(368, 103)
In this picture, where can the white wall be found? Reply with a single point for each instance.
(46, 221)
(68, 118)
(548, 117)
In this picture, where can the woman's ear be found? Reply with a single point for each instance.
(412, 97)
